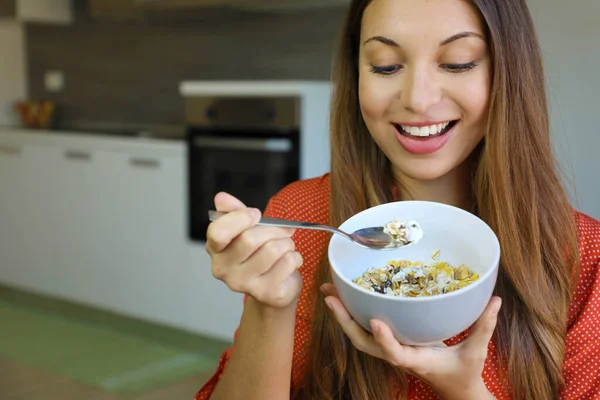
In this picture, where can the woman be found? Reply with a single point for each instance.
(439, 100)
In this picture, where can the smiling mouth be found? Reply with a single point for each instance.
(425, 132)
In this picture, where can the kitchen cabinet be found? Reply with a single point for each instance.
(50, 206)
(26, 235)
(249, 4)
(149, 235)
(115, 9)
(39, 205)
(39, 11)
(85, 219)
(137, 9)
(102, 222)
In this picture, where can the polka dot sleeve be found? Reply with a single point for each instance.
(582, 363)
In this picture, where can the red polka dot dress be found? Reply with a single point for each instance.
(308, 200)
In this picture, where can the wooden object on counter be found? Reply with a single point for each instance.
(36, 114)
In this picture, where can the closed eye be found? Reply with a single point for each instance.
(457, 68)
(385, 70)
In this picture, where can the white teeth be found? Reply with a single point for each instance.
(424, 131)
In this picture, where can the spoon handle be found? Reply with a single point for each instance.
(282, 223)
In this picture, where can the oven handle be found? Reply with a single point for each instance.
(271, 145)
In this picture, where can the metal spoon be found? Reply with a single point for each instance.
(371, 238)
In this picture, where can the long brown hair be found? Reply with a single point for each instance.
(517, 190)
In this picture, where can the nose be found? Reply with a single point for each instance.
(420, 91)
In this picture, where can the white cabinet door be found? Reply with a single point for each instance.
(84, 214)
(56, 216)
(150, 253)
(38, 206)
(162, 276)
(29, 225)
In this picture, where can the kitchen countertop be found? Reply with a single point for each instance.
(254, 88)
(100, 141)
(111, 129)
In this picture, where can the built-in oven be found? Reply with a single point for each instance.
(246, 146)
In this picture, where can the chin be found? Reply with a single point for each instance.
(429, 172)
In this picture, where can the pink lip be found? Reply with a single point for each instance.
(427, 145)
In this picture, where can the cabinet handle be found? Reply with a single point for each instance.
(144, 162)
(78, 155)
(9, 150)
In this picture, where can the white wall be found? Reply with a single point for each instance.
(569, 34)
(12, 68)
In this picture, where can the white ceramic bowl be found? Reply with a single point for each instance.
(461, 237)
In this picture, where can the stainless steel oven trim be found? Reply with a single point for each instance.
(271, 145)
(243, 112)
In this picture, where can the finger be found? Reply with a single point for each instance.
(357, 335)
(272, 249)
(395, 353)
(220, 233)
(481, 333)
(257, 241)
(274, 284)
(247, 256)
(226, 202)
(284, 267)
(328, 289)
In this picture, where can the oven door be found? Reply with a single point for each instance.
(250, 168)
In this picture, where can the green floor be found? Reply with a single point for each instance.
(110, 352)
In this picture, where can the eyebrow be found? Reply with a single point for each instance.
(444, 42)
(461, 36)
(383, 40)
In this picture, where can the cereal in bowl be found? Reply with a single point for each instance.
(416, 279)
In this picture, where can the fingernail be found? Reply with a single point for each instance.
(496, 309)
(329, 304)
(375, 327)
(255, 212)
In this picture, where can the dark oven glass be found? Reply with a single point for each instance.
(253, 166)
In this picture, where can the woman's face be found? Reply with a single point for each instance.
(424, 83)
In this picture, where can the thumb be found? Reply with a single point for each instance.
(226, 202)
(482, 331)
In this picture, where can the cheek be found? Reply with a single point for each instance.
(475, 99)
(374, 100)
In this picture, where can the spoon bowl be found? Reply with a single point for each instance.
(375, 238)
